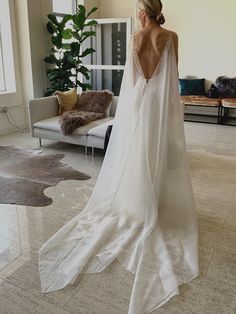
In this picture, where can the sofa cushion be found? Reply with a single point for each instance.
(226, 86)
(229, 102)
(200, 101)
(67, 100)
(100, 130)
(192, 87)
(92, 125)
(52, 124)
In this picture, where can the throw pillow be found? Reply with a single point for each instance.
(226, 86)
(96, 101)
(66, 100)
(192, 87)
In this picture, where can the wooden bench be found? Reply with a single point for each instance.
(202, 101)
(226, 104)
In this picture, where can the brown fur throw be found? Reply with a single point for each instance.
(96, 101)
(71, 120)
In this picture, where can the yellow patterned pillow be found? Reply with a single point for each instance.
(66, 100)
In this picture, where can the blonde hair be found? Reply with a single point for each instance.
(153, 9)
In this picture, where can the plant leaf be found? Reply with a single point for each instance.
(85, 72)
(93, 22)
(51, 59)
(51, 28)
(86, 52)
(91, 11)
(53, 19)
(67, 33)
(57, 41)
(75, 48)
(87, 34)
(65, 19)
(79, 21)
(84, 85)
(81, 9)
(65, 46)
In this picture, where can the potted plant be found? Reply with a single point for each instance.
(67, 37)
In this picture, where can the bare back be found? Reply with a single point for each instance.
(149, 44)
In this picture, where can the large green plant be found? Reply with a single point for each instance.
(67, 53)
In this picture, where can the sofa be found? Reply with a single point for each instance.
(44, 124)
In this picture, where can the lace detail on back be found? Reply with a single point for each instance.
(137, 61)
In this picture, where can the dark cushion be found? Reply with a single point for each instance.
(192, 87)
(226, 86)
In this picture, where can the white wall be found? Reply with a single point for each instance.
(30, 46)
(206, 29)
(13, 98)
(89, 4)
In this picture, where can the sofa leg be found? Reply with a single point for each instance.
(40, 142)
(93, 151)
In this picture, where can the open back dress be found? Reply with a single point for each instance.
(142, 208)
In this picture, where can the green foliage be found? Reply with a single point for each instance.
(66, 57)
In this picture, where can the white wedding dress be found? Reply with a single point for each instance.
(142, 207)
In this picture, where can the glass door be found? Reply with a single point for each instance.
(111, 45)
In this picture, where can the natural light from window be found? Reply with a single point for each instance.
(63, 6)
(7, 72)
(2, 79)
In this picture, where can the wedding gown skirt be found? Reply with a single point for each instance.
(142, 208)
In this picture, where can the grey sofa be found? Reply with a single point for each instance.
(44, 124)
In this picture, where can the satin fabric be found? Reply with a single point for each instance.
(142, 208)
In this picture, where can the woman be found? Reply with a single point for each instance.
(142, 209)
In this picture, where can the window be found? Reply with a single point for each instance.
(64, 6)
(111, 45)
(7, 71)
(2, 79)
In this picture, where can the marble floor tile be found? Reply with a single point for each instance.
(14, 299)
(204, 258)
(230, 221)
(9, 252)
(226, 241)
(102, 293)
(231, 204)
(23, 272)
(208, 232)
(202, 296)
(223, 267)
(209, 212)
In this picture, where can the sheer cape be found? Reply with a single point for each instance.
(142, 208)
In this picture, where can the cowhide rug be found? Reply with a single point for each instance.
(24, 176)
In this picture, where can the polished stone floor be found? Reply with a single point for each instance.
(211, 151)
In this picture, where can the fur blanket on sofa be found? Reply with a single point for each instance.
(72, 119)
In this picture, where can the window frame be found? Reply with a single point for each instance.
(74, 6)
(7, 48)
(2, 70)
(101, 67)
(102, 21)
